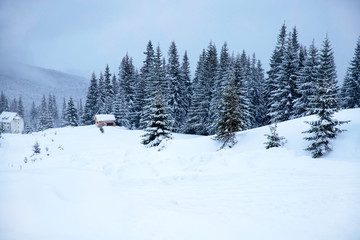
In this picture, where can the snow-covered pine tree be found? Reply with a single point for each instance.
(324, 105)
(241, 68)
(274, 140)
(307, 83)
(149, 82)
(176, 101)
(159, 73)
(256, 93)
(220, 83)
(53, 109)
(109, 92)
(350, 92)
(286, 93)
(159, 123)
(230, 118)
(4, 103)
(45, 120)
(197, 117)
(210, 75)
(101, 101)
(272, 82)
(185, 79)
(72, 114)
(114, 85)
(63, 120)
(121, 111)
(91, 101)
(14, 105)
(126, 113)
(80, 110)
(21, 110)
(34, 117)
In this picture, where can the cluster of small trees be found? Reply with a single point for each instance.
(16, 105)
(46, 115)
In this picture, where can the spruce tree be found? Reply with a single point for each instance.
(63, 119)
(72, 117)
(197, 118)
(176, 101)
(14, 105)
(90, 108)
(80, 110)
(307, 83)
(272, 82)
(230, 118)
(109, 92)
(256, 94)
(159, 123)
(242, 80)
(350, 91)
(21, 110)
(286, 93)
(324, 105)
(34, 117)
(125, 108)
(53, 109)
(45, 120)
(149, 84)
(219, 85)
(4, 104)
(274, 140)
(185, 79)
(101, 100)
(210, 77)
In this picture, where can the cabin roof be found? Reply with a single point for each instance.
(7, 117)
(105, 117)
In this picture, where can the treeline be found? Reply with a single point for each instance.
(191, 103)
(46, 114)
(194, 103)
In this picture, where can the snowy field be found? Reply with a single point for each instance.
(87, 185)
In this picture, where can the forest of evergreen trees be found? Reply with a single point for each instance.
(195, 105)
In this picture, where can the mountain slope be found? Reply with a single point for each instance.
(88, 185)
(32, 82)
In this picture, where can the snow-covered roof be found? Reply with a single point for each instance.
(105, 117)
(7, 117)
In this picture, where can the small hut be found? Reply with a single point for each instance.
(104, 120)
(11, 122)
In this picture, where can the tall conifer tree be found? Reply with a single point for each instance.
(324, 105)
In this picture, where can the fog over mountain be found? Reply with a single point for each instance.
(31, 83)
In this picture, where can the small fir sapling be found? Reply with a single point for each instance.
(274, 140)
(36, 148)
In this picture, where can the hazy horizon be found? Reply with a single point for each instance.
(81, 37)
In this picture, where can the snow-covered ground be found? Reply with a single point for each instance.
(89, 185)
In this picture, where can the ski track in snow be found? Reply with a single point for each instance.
(89, 185)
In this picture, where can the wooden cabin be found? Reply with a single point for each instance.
(104, 120)
(11, 122)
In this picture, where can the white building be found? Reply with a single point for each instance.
(11, 122)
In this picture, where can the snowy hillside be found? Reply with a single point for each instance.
(89, 185)
(32, 82)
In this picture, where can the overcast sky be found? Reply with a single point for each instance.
(82, 36)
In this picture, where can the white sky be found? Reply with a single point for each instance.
(82, 36)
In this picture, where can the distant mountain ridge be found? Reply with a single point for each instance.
(33, 82)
